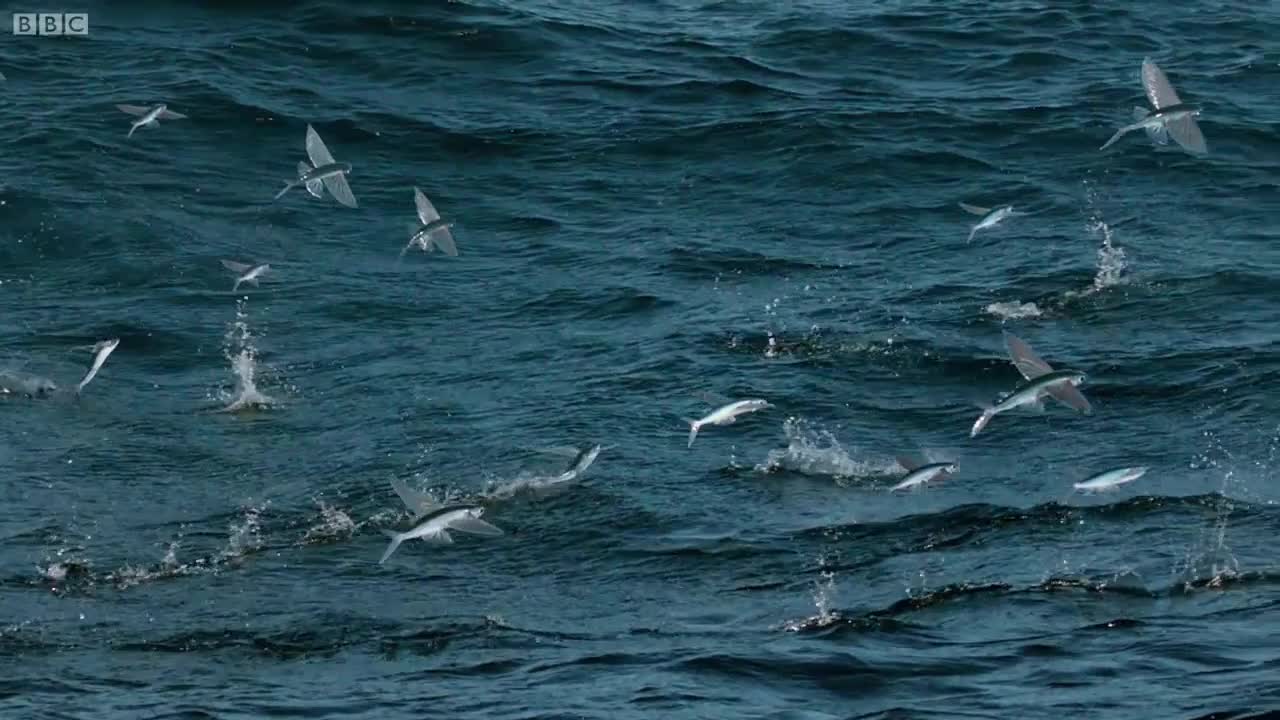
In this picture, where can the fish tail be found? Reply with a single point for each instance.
(981, 422)
(1119, 134)
(396, 539)
(694, 426)
(287, 187)
(132, 127)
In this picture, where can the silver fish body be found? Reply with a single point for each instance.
(725, 415)
(149, 116)
(435, 528)
(925, 473)
(1111, 479)
(1030, 394)
(101, 351)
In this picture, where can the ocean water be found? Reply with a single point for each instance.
(653, 201)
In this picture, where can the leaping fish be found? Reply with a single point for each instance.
(1030, 394)
(245, 273)
(991, 217)
(433, 231)
(580, 463)
(1111, 479)
(149, 116)
(1170, 117)
(1031, 367)
(918, 474)
(436, 528)
(323, 170)
(725, 415)
(102, 350)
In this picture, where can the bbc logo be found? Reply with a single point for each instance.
(51, 23)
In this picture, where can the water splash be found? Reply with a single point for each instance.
(824, 596)
(534, 485)
(1209, 557)
(1013, 310)
(240, 351)
(334, 524)
(815, 451)
(245, 536)
(1111, 260)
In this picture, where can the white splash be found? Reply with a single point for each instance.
(817, 452)
(334, 524)
(526, 483)
(242, 354)
(1013, 310)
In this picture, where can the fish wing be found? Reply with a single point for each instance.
(473, 525)
(1186, 132)
(1158, 134)
(1069, 395)
(316, 150)
(235, 267)
(1024, 358)
(417, 502)
(974, 209)
(1159, 91)
(168, 114)
(426, 211)
(340, 190)
(134, 109)
(908, 463)
(714, 399)
(443, 239)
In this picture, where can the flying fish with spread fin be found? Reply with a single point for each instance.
(433, 232)
(322, 172)
(1169, 118)
(245, 273)
(991, 217)
(149, 116)
(435, 528)
(1042, 380)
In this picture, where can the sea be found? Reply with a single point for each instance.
(659, 206)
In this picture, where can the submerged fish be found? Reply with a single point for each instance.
(149, 116)
(323, 170)
(920, 474)
(725, 415)
(436, 528)
(245, 273)
(433, 231)
(1111, 479)
(990, 217)
(101, 350)
(13, 382)
(1170, 116)
(1030, 394)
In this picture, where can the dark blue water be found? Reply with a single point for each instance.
(652, 200)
